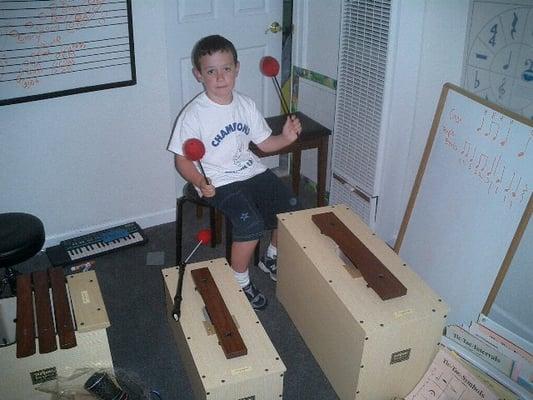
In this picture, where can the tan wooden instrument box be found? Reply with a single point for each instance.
(20, 376)
(367, 347)
(257, 375)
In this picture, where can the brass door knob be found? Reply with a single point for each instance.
(274, 27)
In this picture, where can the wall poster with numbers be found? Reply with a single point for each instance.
(51, 48)
(499, 53)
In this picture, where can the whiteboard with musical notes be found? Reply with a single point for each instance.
(499, 61)
(57, 48)
(471, 200)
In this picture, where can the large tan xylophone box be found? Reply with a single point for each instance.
(20, 376)
(258, 375)
(368, 348)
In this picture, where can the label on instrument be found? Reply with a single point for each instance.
(400, 356)
(114, 234)
(85, 297)
(403, 313)
(239, 371)
(43, 375)
(247, 398)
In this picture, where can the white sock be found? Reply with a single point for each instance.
(243, 278)
(272, 251)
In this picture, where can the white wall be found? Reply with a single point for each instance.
(98, 159)
(316, 43)
(427, 42)
(316, 48)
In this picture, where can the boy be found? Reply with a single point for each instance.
(240, 186)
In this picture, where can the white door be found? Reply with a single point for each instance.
(244, 22)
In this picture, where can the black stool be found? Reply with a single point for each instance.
(21, 237)
(191, 195)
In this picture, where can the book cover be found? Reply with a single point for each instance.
(480, 348)
(448, 379)
(522, 372)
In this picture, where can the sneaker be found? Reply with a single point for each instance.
(269, 266)
(255, 297)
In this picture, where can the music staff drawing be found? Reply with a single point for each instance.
(56, 45)
(493, 152)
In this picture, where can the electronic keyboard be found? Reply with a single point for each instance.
(96, 244)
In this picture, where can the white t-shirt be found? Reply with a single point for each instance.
(225, 131)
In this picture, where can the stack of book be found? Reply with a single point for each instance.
(449, 377)
(500, 359)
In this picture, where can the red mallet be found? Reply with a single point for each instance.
(203, 237)
(269, 67)
(194, 150)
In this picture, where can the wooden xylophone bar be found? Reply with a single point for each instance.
(376, 274)
(43, 308)
(228, 335)
(25, 327)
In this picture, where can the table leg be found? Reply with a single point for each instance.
(322, 164)
(295, 171)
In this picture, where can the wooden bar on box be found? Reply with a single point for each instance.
(87, 302)
(43, 313)
(25, 321)
(64, 322)
(375, 273)
(228, 335)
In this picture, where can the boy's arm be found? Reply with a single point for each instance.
(291, 129)
(188, 171)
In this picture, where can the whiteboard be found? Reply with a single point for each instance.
(57, 48)
(471, 200)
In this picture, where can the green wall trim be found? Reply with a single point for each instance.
(298, 72)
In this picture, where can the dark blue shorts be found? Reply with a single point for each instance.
(252, 205)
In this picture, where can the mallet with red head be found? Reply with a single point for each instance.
(269, 67)
(194, 150)
(203, 237)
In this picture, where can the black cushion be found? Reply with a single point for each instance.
(21, 237)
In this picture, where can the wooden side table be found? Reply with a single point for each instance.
(313, 136)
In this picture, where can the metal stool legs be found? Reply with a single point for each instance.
(180, 202)
(9, 279)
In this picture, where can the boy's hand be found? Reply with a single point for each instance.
(207, 190)
(292, 128)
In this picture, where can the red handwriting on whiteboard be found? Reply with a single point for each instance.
(492, 150)
(46, 30)
(449, 137)
(522, 152)
(455, 116)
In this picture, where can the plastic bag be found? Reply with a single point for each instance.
(100, 384)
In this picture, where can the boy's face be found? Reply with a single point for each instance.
(218, 73)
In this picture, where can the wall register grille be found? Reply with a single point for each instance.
(360, 89)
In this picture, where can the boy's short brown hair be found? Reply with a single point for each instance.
(209, 45)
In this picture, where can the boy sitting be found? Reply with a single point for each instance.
(239, 185)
